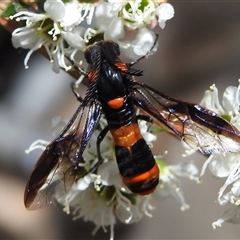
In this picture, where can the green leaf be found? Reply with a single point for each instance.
(9, 11)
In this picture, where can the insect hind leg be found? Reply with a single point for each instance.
(100, 137)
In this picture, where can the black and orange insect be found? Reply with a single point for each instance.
(114, 92)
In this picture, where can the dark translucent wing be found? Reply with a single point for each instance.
(55, 170)
(199, 127)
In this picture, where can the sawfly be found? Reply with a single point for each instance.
(114, 92)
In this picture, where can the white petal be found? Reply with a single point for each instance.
(55, 9)
(104, 16)
(211, 101)
(115, 30)
(165, 11)
(231, 99)
(84, 182)
(109, 173)
(74, 40)
(185, 169)
(236, 188)
(127, 50)
(72, 14)
(25, 38)
(221, 165)
(144, 41)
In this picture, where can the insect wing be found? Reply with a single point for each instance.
(55, 170)
(199, 127)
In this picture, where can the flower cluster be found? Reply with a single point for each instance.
(102, 198)
(65, 28)
(225, 166)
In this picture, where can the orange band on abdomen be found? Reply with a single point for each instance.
(144, 183)
(126, 136)
(150, 174)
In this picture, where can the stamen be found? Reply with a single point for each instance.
(38, 144)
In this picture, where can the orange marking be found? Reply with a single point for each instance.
(92, 75)
(121, 66)
(126, 136)
(153, 173)
(116, 103)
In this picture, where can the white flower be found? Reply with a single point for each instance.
(228, 165)
(131, 15)
(67, 27)
(230, 103)
(47, 29)
(140, 46)
(101, 199)
(143, 42)
(91, 205)
(113, 28)
(104, 15)
(137, 14)
(165, 11)
(109, 174)
(57, 30)
(148, 136)
(232, 215)
(170, 185)
(225, 166)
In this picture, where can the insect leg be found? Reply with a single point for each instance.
(78, 97)
(75, 85)
(100, 137)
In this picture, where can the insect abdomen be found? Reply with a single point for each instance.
(137, 167)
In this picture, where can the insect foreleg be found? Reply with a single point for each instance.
(76, 94)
